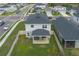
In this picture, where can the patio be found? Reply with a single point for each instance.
(41, 40)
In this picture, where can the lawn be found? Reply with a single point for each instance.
(55, 13)
(7, 13)
(71, 51)
(6, 46)
(24, 47)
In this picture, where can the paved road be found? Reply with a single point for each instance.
(9, 20)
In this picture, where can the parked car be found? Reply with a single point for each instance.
(1, 22)
(5, 27)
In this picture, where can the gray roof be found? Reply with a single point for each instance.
(37, 19)
(76, 14)
(40, 32)
(75, 8)
(67, 29)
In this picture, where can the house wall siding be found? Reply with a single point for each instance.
(75, 19)
(77, 44)
(29, 29)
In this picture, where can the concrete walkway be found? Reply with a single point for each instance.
(11, 49)
(59, 45)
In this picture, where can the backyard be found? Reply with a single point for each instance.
(71, 51)
(24, 47)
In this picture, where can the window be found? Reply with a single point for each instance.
(44, 26)
(28, 34)
(32, 26)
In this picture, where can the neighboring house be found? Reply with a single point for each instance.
(60, 9)
(38, 10)
(75, 17)
(38, 27)
(12, 8)
(73, 10)
(1, 12)
(67, 32)
(8, 8)
(41, 5)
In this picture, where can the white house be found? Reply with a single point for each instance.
(41, 5)
(60, 9)
(12, 8)
(9, 8)
(75, 17)
(38, 27)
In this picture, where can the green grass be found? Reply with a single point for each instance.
(24, 47)
(55, 13)
(6, 46)
(7, 13)
(71, 51)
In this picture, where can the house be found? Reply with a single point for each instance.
(41, 5)
(60, 9)
(7, 8)
(2, 11)
(75, 17)
(38, 28)
(67, 32)
(73, 10)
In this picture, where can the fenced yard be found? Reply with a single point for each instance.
(24, 47)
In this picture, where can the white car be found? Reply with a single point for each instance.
(5, 28)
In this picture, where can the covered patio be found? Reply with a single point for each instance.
(40, 40)
(69, 44)
(40, 36)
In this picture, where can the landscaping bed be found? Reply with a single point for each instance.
(6, 46)
(24, 47)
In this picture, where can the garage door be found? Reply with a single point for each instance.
(77, 44)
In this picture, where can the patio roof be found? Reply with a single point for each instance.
(40, 32)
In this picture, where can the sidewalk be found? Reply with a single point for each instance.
(15, 41)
